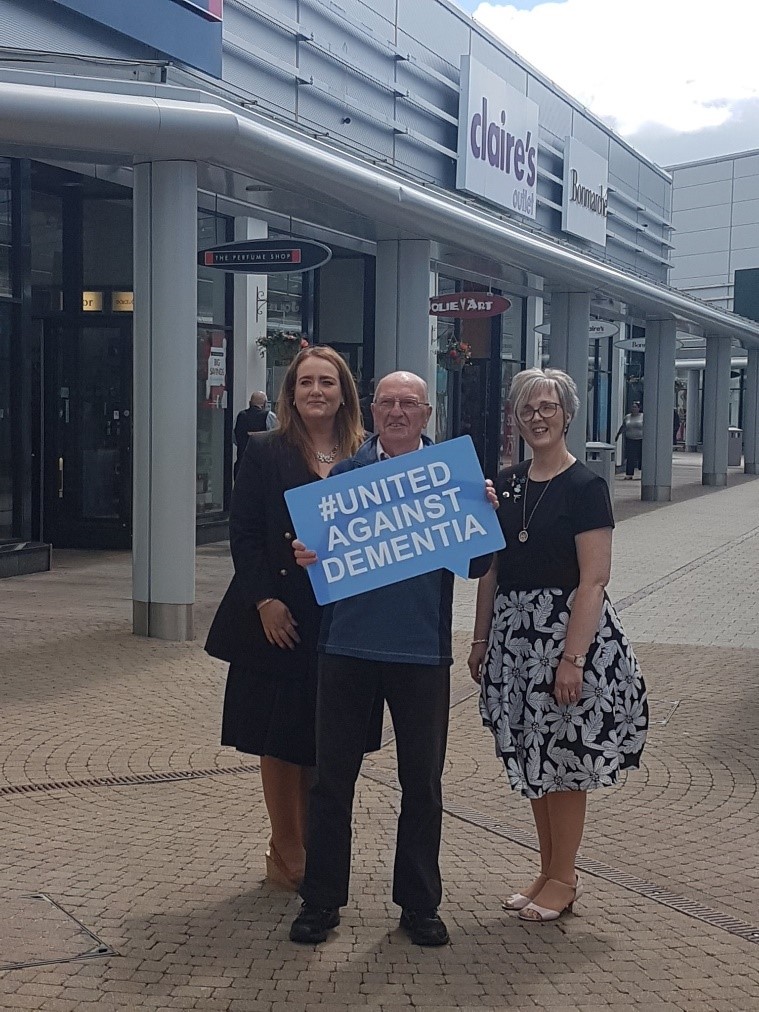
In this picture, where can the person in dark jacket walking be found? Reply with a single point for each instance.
(255, 418)
(393, 643)
(267, 624)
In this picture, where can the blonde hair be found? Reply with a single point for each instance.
(348, 426)
(526, 382)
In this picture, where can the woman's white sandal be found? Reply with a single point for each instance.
(539, 915)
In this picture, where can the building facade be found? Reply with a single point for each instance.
(716, 259)
(431, 160)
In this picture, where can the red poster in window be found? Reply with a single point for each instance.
(216, 371)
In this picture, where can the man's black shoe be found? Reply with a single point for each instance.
(424, 927)
(312, 924)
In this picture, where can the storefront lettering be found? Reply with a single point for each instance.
(503, 150)
(594, 200)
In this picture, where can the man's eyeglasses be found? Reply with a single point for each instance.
(546, 409)
(406, 404)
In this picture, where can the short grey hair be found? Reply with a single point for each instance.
(526, 382)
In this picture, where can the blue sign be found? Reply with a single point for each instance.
(396, 519)
(184, 30)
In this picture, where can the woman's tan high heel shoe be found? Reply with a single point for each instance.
(518, 901)
(534, 912)
(278, 873)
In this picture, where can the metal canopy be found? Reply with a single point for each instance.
(46, 115)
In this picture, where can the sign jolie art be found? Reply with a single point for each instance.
(498, 140)
(396, 519)
(469, 305)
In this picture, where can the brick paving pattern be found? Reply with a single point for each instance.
(169, 872)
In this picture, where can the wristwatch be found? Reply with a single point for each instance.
(577, 659)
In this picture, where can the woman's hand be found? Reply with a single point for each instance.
(279, 625)
(303, 556)
(476, 657)
(568, 684)
(491, 494)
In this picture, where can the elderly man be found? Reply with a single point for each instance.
(255, 418)
(393, 643)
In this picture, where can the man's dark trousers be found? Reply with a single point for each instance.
(419, 698)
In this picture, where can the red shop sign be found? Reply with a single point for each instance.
(469, 305)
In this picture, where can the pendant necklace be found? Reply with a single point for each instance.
(327, 458)
(523, 535)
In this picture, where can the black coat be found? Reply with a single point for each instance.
(261, 535)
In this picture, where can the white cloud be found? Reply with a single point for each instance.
(655, 67)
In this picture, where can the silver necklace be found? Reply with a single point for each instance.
(523, 535)
(327, 458)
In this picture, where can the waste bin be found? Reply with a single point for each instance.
(600, 459)
(734, 446)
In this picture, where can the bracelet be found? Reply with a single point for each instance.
(475, 642)
(266, 600)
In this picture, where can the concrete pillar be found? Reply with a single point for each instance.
(658, 405)
(403, 334)
(570, 329)
(716, 411)
(165, 398)
(249, 322)
(751, 414)
(692, 410)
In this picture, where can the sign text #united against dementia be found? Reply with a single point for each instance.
(389, 521)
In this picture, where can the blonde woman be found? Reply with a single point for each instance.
(561, 688)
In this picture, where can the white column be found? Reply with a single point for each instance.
(534, 313)
(249, 322)
(570, 329)
(751, 414)
(658, 405)
(716, 410)
(165, 398)
(403, 334)
(692, 410)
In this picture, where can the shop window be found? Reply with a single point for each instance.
(598, 428)
(47, 252)
(213, 465)
(107, 245)
(8, 369)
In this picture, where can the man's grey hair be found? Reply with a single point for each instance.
(561, 384)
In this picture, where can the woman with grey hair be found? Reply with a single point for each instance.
(562, 691)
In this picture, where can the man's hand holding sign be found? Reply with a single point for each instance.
(395, 519)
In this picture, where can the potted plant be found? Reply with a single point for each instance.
(282, 345)
(455, 355)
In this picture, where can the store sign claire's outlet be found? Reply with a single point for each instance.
(469, 305)
(498, 140)
(586, 192)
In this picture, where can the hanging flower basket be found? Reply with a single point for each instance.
(282, 346)
(454, 356)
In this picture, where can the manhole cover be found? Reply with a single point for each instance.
(35, 931)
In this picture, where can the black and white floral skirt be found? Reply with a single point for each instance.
(545, 746)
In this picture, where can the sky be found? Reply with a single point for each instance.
(678, 79)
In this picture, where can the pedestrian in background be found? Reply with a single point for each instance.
(632, 427)
(268, 622)
(561, 689)
(255, 418)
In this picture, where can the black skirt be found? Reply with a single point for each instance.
(546, 746)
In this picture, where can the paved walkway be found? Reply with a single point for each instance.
(145, 840)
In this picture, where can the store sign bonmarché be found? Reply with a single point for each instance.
(498, 140)
(266, 256)
(469, 305)
(585, 202)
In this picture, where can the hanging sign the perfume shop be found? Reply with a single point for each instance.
(266, 256)
(469, 305)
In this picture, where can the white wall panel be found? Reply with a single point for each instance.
(699, 218)
(702, 196)
(748, 166)
(746, 188)
(746, 236)
(700, 265)
(710, 172)
(741, 259)
(745, 212)
(711, 240)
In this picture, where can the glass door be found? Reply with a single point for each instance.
(88, 434)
